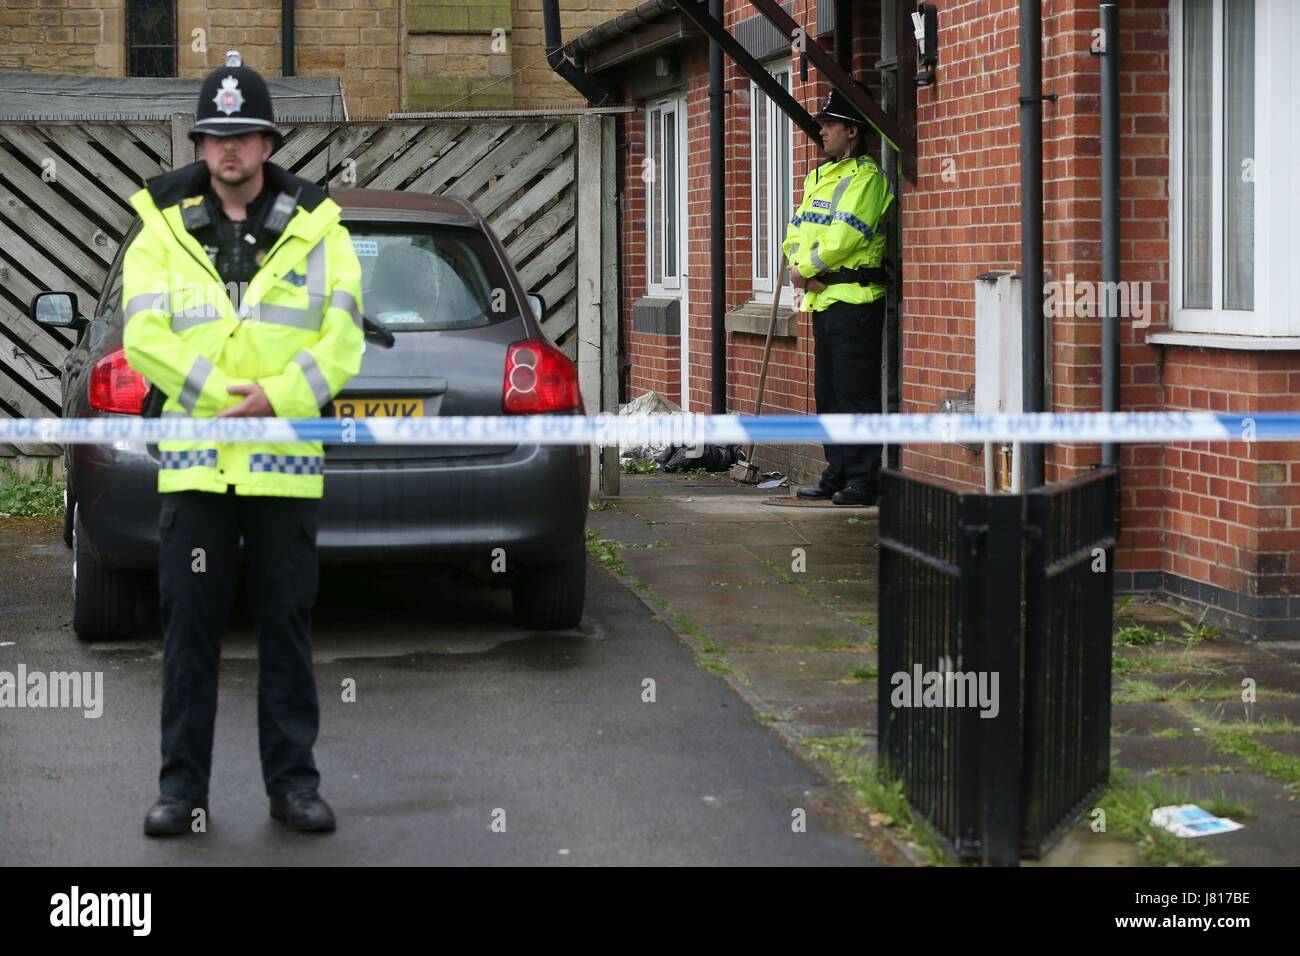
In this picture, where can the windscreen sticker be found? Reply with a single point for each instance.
(365, 247)
(404, 317)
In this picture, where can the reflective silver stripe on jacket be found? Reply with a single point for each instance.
(146, 301)
(308, 318)
(836, 196)
(342, 299)
(316, 275)
(817, 260)
(196, 315)
(200, 458)
(320, 388)
(287, 464)
(194, 383)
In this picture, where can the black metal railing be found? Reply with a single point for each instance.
(1071, 528)
(964, 577)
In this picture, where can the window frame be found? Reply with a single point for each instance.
(669, 285)
(1273, 314)
(761, 288)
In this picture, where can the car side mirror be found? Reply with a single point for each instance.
(538, 304)
(57, 310)
(377, 333)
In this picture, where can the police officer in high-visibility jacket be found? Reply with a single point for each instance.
(242, 298)
(836, 251)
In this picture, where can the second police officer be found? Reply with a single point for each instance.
(836, 251)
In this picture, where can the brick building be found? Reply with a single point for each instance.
(1207, 322)
(391, 55)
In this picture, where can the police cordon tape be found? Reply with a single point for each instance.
(688, 429)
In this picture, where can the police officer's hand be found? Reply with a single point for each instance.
(814, 285)
(796, 279)
(254, 405)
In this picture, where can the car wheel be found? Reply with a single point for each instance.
(551, 596)
(103, 598)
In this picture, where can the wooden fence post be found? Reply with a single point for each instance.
(589, 218)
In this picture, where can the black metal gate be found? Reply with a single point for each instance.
(999, 741)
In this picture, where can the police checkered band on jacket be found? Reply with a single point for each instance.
(200, 458)
(287, 464)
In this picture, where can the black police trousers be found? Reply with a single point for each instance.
(198, 573)
(846, 361)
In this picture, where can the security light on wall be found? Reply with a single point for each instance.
(925, 25)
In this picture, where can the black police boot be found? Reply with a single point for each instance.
(818, 492)
(303, 810)
(171, 816)
(858, 494)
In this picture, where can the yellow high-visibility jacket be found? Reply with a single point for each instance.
(297, 332)
(837, 227)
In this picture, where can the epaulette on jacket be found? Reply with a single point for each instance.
(190, 181)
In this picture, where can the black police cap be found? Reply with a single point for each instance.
(838, 107)
(234, 100)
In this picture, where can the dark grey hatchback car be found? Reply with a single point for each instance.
(465, 339)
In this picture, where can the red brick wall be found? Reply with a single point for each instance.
(1231, 511)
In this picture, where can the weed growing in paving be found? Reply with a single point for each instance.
(37, 497)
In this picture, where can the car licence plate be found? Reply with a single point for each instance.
(377, 408)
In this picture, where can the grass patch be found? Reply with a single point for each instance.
(1222, 805)
(883, 798)
(1170, 733)
(1148, 661)
(1199, 632)
(605, 551)
(1259, 759)
(37, 497)
(639, 466)
(600, 505)
(1128, 807)
(1137, 635)
(837, 646)
(1145, 692)
(1180, 770)
(864, 672)
(1266, 725)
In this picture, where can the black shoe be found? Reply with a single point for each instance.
(171, 816)
(861, 496)
(303, 810)
(818, 492)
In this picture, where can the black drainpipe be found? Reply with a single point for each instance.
(596, 92)
(1031, 224)
(717, 227)
(1109, 218)
(286, 37)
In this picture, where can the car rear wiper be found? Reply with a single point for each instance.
(377, 333)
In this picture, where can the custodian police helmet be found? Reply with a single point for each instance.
(233, 100)
(838, 107)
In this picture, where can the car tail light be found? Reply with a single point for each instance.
(115, 386)
(539, 378)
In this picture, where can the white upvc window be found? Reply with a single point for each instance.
(1232, 140)
(664, 174)
(771, 165)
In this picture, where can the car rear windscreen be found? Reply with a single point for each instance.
(420, 277)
